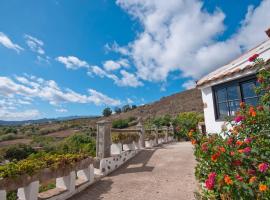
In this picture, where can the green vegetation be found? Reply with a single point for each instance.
(18, 152)
(78, 143)
(123, 123)
(125, 138)
(107, 112)
(37, 162)
(185, 122)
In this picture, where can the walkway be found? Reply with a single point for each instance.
(161, 173)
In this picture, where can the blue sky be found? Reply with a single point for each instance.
(62, 58)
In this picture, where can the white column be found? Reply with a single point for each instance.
(3, 194)
(86, 174)
(29, 192)
(92, 173)
(67, 182)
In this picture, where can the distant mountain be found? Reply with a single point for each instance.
(41, 121)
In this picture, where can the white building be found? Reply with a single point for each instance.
(224, 89)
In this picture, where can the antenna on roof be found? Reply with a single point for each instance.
(268, 32)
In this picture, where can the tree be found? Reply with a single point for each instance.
(117, 110)
(134, 106)
(126, 108)
(107, 112)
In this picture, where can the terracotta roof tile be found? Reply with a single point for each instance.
(238, 65)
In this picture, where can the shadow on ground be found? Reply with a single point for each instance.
(135, 165)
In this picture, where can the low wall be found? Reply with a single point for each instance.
(78, 178)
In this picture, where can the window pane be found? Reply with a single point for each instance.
(248, 89)
(221, 95)
(233, 93)
(223, 110)
(234, 106)
(252, 101)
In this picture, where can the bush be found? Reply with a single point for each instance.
(125, 138)
(237, 166)
(78, 143)
(9, 136)
(185, 122)
(120, 123)
(18, 152)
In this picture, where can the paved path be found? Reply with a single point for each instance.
(161, 173)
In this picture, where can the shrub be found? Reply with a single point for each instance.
(237, 166)
(78, 143)
(18, 152)
(125, 138)
(9, 136)
(117, 110)
(120, 123)
(185, 122)
(37, 162)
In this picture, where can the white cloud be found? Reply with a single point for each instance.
(61, 110)
(130, 101)
(48, 90)
(179, 35)
(127, 79)
(190, 84)
(8, 115)
(6, 42)
(72, 62)
(35, 44)
(99, 99)
(111, 65)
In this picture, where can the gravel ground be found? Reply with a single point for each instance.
(161, 173)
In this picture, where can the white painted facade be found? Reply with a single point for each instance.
(213, 125)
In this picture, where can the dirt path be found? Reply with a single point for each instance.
(161, 173)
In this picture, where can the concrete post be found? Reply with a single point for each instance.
(103, 142)
(29, 192)
(155, 129)
(140, 128)
(165, 130)
(86, 174)
(3, 194)
(67, 182)
(171, 129)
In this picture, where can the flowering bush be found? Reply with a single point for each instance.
(238, 166)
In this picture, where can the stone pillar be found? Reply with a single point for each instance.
(165, 130)
(29, 192)
(3, 194)
(103, 142)
(140, 128)
(67, 182)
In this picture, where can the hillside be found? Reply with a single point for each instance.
(189, 100)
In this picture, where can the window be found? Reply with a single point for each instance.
(227, 97)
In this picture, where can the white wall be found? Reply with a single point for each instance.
(212, 126)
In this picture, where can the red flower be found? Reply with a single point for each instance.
(247, 150)
(239, 118)
(253, 58)
(237, 163)
(248, 140)
(230, 140)
(263, 167)
(251, 172)
(239, 178)
(204, 147)
(215, 156)
(232, 153)
(210, 182)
